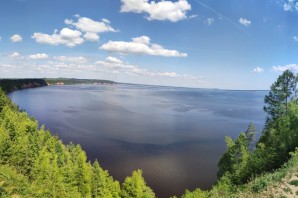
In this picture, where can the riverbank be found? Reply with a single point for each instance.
(9, 85)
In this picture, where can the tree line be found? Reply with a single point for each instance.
(9, 85)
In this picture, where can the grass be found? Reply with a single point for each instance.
(287, 190)
(294, 182)
(265, 185)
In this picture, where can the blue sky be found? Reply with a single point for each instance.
(228, 44)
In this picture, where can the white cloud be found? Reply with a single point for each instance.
(91, 27)
(295, 38)
(140, 45)
(91, 36)
(16, 38)
(258, 70)
(209, 21)
(106, 20)
(193, 16)
(162, 10)
(38, 56)
(291, 5)
(244, 22)
(15, 55)
(88, 25)
(292, 67)
(117, 66)
(66, 37)
(78, 59)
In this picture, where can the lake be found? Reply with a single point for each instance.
(175, 135)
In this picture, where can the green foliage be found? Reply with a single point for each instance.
(234, 160)
(294, 182)
(8, 85)
(102, 184)
(198, 193)
(33, 163)
(135, 187)
(281, 93)
(254, 188)
(250, 136)
(242, 162)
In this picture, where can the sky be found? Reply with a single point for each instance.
(227, 44)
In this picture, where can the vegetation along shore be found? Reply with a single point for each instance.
(9, 85)
(34, 163)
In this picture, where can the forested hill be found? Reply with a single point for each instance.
(9, 85)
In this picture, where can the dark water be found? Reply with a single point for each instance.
(175, 135)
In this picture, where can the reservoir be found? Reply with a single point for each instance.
(175, 135)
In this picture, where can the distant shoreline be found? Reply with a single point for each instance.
(10, 85)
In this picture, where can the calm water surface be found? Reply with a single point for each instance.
(175, 135)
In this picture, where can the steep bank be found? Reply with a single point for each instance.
(9, 85)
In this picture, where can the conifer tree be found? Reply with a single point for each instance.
(281, 93)
(102, 184)
(250, 136)
(135, 187)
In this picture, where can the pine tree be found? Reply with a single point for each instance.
(250, 136)
(234, 160)
(102, 184)
(82, 171)
(281, 93)
(135, 187)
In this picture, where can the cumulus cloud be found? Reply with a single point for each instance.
(73, 59)
(38, 56)
(291, 5)
(258, 70)
(295, 38)
(88, 25)
(16, 38)
(91, 27)
(292, 67)
(91, 36)
(162, 10)
(244, 22)
(15, 55)
(140, 45)
(66, 37)
(209, 21)
(116, 66)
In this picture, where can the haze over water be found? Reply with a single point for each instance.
(175, 135)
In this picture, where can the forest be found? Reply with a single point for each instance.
(34, 163)
(9, 85)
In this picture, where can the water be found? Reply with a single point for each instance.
(175, 135)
